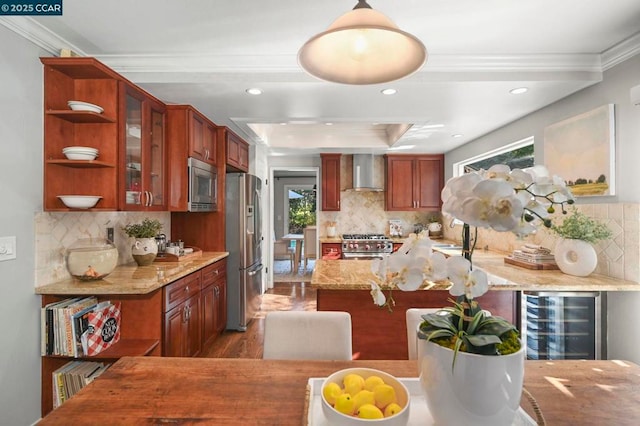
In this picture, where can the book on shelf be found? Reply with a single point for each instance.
(103, 331)
(66, 324)
(73, 376)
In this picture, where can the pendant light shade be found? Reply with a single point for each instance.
(362, 46)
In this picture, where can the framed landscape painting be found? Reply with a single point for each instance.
(581, 150)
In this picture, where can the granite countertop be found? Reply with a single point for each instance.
(356, 275)
(133, 279)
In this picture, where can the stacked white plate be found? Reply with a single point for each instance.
(84, 106)
(80, 153)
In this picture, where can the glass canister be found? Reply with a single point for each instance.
(91, 259)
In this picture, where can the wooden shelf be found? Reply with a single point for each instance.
(81, 164)
(80, 116)
(125, 347)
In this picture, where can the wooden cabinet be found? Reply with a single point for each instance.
(214, 301)
(237, 151)
(330, 182)
(130, 170)
(182, 318)
(414, 182)
(189, 134)
(80, 79)
(143, 153)
(333, 250)
(140, 335)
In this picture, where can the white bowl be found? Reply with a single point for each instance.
(84, 106)
(80, 149)
(77, 155)
(79, 201)
(402, 395)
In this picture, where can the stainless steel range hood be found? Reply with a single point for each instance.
(363, 173)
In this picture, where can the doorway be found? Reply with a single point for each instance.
(291, 211)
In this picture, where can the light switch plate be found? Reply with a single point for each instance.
(7, 248)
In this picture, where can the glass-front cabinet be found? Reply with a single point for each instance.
(143, 151)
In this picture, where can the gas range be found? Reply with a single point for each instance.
(365, 245)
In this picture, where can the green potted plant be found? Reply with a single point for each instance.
(574, 252)
(145, 248)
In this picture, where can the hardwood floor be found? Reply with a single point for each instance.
(248, 344)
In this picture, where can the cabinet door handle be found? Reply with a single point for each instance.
(186, 289)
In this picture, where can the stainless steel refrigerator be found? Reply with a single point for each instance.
(244, 244)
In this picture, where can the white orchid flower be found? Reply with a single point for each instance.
(472, 284)
(494, 205)
(377, 294)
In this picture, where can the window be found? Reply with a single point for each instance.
(515, 155)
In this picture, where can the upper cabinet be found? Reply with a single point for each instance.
(127, 130)
(237, 151)
(189, 134)
(330, 182)
(414, 182)
(143, 158)
(85, 80)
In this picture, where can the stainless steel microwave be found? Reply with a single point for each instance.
(203, 186)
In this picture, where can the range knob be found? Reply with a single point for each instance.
(367, 247)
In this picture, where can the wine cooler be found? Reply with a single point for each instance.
(562, 325)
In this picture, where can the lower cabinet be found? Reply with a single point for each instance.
(195, 311)
(214, 301)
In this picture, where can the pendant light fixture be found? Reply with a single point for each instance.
(362, 46)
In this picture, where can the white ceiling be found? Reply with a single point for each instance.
(207, 52)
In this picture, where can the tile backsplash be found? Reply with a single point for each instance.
(618, 257)
(55, 232)
(363, 212)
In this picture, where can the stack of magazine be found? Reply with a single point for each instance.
(69, 324)
(73, 376)
(533, 253)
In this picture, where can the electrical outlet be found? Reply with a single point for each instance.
(7, 248)
(110, 236)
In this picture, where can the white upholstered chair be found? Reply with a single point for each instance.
(309, 244)
(414, 318)
(323, 335)
(282, 251)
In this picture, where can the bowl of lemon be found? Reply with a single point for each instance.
(358, 396)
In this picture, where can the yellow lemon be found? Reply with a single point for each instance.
(363, 397)
(353, 383)
(392, 409)
(372, 381)
(370, 411)
(345, 404)
(385, 395)
(331, 392)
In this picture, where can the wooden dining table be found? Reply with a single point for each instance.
(223, 391)
(297, 241)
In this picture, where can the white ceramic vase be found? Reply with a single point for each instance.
(144, 251)
(479, 390)
(575, 257)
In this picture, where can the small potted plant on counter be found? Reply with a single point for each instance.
(574, 252)
(145, 248)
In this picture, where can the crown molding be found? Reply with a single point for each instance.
(621, 52)
(52, 43)
(38, 35)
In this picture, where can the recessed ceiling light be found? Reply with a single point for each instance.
(457, 135)
(328, 124)
(254, 91)
(388, 91)
(283, 124)
(519, 90)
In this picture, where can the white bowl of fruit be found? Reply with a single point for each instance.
(358, 396)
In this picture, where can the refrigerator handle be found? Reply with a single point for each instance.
(254, 271)
(258, 216)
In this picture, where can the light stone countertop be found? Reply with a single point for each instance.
(133, 279)
(356, 275)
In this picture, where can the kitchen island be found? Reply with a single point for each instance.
(151, 390)
(344, 285)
